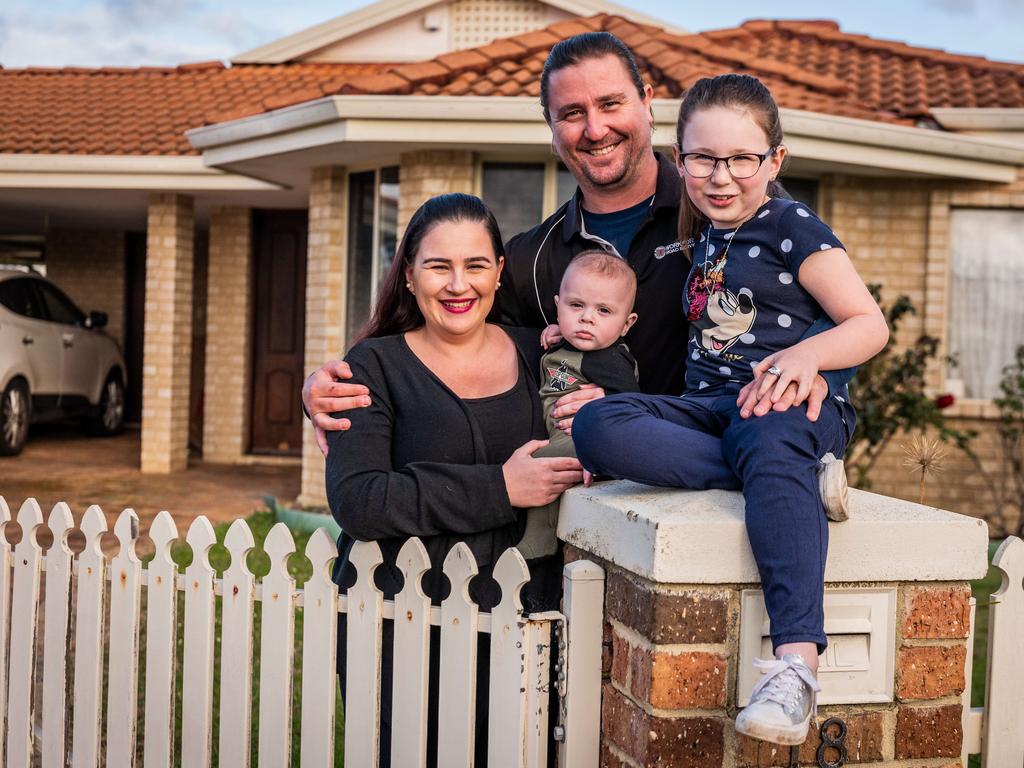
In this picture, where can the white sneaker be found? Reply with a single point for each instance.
(782, 702)
(833, 488)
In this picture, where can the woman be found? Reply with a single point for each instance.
(443, 452)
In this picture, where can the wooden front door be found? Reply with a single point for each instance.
(279, 329)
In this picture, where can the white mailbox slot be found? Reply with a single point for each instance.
(856, 667)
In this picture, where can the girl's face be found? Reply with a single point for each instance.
(454, 276)
(724, 132)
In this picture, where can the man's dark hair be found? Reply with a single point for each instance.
(589, 45)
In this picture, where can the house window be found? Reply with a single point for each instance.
(986, 315)
(372, 239)
(803, 190)
(515, 194)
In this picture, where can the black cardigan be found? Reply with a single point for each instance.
(414, 464)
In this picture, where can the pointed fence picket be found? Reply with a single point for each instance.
(89, 625)
(457, 688)
(319, 653)
(236, 650)
(276, 638)
(412, 659)
(28, 559)
(55, 640)
(123, 648)
(519, 674)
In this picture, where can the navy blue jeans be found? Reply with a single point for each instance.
(698, 441)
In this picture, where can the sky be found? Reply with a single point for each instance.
(167, 32)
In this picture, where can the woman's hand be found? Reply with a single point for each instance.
(534, 482)
(797, 365)
(323, 394)
(567, 405)
(550, 336)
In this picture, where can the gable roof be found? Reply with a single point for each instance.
(309, 40)
(809, 65)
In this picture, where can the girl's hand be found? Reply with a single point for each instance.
(796, 365)
(550, 336)
(534, 482)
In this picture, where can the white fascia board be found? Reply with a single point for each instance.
(497, 120)
(340, 28)
(143, 172)
(978, 119)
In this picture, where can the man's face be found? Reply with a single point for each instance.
(600, 124)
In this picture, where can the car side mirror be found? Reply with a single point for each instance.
(96, 320)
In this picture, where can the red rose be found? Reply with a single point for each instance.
(944, 401)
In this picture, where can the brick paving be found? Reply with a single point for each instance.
(59, 463)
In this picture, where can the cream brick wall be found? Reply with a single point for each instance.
(228, 335)
(897, 233)
(326, 272)
(89, 267)
(168, 343)
(427, 173)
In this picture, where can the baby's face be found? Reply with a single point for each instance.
(594, 309)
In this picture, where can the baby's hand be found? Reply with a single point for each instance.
(550, 336)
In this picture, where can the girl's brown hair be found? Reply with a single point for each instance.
(396, 310)
(734, 91)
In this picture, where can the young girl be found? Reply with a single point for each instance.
(764, 269)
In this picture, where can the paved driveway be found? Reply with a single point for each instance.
(59, 463)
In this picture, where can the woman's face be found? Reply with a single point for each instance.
(454, 276)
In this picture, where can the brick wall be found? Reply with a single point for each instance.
(89, 267)
(669, 695)
(326, 271)
(228, 335)
(168, 343)
(427, 173)
(897, 233)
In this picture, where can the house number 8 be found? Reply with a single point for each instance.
(832, 750)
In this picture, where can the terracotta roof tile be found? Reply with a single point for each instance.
(810, 65)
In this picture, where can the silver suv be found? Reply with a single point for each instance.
(55, 362)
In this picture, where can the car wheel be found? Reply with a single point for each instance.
(107, 417)
(15, 411)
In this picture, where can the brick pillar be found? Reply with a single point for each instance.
(326, 276)
(678, 570)
(430, 172)
(168, 344)
(228, 335)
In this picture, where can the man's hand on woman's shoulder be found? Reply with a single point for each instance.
(325, 392)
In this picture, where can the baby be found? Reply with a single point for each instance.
(595, 303)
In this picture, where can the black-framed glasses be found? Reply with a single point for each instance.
(743, 166)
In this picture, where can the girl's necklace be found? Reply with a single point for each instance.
(710, 271)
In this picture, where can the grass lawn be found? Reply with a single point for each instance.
(259, 563)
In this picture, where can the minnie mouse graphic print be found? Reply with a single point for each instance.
(742, 296)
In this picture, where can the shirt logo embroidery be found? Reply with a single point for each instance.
(664, 250)
(561, 378)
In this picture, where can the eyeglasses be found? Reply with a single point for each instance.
(701, 166)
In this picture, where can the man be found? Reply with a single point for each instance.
(599, 112)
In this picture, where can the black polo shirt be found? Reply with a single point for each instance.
(536, 260)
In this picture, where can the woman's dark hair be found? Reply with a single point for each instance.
(589, 45)
(744, 92)
(396, 310)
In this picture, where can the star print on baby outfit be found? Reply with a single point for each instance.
(742, 295)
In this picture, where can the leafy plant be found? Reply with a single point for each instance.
(1008, 484)
(889, 395)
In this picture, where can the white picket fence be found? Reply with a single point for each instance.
(520, 674)
(996, 731)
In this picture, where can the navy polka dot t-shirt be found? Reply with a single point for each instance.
(742, 296)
